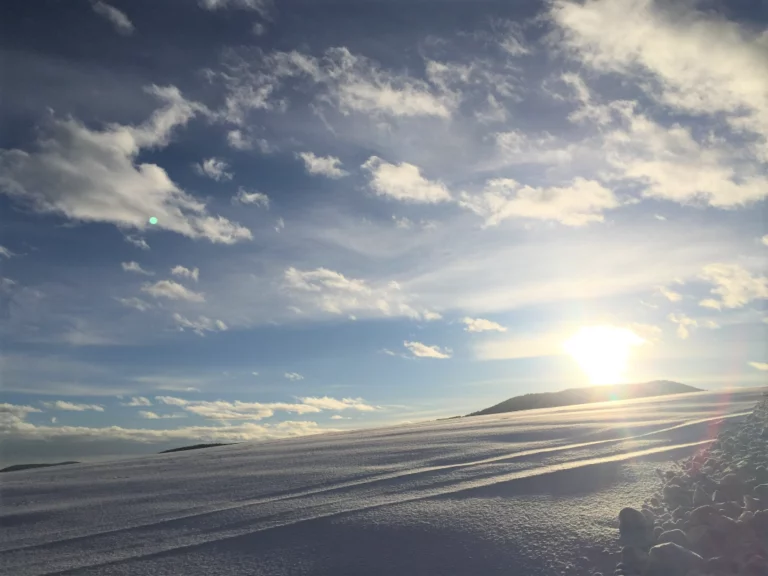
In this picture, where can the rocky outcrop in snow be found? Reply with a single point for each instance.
(710, 517)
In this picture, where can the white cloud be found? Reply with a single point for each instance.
(237, 140)
(213, 168)
(660, 217)
(5, 253)
(765, 240)
(337, 417)
(13, 425)
(294, 376)
(254, 373)
(237, 410)
(245, 197)
(179, 270)
(118, 18)
(155, 416)
(72, 406)
(15, 411)
(333, 293)
(684, 324)
(327, 403)
(348, 82)
(762, 366)
(136, 303)
(135, 267)
(578, 204)
(92, 176)
(279, 225)
(137, 241)
(328, 166)
(720, 67)
(668, 162)
(420, 350)
(200, 326)
(263, 7)
(404, 182)
(670, 295)
(734, 285)
(482, 325)
(138, 401)
(172, 290)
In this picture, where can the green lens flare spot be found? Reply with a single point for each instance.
(153, 220)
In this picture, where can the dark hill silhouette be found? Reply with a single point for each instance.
(17, 467)
(587, 395)
(193, 447)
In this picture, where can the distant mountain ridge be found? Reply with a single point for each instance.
(17, 467)
(587, 395)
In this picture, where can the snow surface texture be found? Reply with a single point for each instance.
(528, 493)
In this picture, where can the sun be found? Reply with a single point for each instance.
(602, 352)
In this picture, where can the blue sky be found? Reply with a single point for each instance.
(367, 212)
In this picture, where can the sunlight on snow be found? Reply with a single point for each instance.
(602, 352)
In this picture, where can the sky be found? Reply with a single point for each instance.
(233, 220)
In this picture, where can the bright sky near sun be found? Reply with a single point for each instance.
(243, 219)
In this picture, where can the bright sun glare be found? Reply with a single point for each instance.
(602, 352)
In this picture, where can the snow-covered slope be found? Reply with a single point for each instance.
(524, 493)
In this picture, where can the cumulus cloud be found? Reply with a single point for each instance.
(15, 410)
(200, 326)
(172, 290)
(137, 241)
(714, 74)
(328, 403)
(328, 166)
(118, 18)
(13, 425)
(670, 295)
(420, 350)
(179, 270)
(762, 366)
(135, 267)
(72, 406)
(734, 285)
(92, 175)
(213, 168)
(245, 197)
(346, 81)
(237, 410)
(333, 293)
(404, 182)
(684, 324)
(720, 67)
(293, 376)
(263, 7)
(148, 415)
(138, 401)
(580, 203)
(481, 325)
